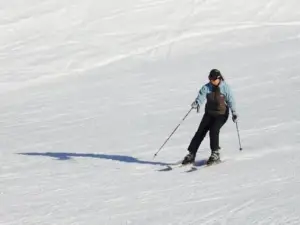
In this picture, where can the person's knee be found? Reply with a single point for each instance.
(214, 132)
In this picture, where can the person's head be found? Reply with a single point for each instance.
(215, 77)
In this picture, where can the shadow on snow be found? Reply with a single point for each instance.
(68, 156)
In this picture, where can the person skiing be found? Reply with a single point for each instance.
(219, 100)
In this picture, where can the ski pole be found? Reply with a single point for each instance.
(172, 133)
(237, 129)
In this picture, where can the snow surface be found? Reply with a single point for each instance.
(90, 90)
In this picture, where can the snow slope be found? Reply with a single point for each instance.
(89, 91)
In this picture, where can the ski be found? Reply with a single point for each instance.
(189, 167)
(195, 168)
(172, 166)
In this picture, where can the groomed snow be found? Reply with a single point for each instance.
(89, 90)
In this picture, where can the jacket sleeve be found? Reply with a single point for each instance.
(230, 99)
(202, 95)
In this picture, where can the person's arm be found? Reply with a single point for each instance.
(201, 97)
(230, 100)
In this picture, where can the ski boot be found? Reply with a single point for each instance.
(214, 158)
(189, 159)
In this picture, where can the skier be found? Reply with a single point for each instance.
(219, 99)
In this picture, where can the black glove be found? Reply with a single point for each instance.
(195, 105)
(234, 117)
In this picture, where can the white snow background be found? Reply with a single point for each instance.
(89, 90)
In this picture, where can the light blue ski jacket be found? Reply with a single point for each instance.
(224, 90)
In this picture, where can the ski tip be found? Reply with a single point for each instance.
(168, 168)
(192, 169)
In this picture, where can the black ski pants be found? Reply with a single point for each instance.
(213, 124)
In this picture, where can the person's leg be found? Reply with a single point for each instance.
(197, 139)
(200, 134)
(214, 130)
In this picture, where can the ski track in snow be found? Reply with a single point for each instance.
(90, 90)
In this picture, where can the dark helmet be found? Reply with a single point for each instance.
(215, 74)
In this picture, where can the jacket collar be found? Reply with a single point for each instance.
(220, 84)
